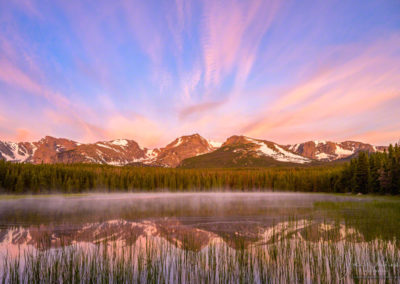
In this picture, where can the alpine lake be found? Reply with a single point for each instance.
(273, 237)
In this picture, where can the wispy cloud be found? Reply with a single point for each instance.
(151, 70)
(194, 110)
(343, 89)
(231, 36)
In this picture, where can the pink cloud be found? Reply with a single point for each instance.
(380, 137)
(178, 21)
(12, 75)
(24, 135)
(341, 91)
(231, 35)
(198, 108)
(148, 35)
(349, 92)
(189, 82)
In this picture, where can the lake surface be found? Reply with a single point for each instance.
(67, 219)
(296, 225)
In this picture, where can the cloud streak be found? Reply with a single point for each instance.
(352, 88)
(151, 71)
(231, 35)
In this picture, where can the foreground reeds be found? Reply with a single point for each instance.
(296, 253)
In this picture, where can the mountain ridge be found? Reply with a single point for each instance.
(185, 151)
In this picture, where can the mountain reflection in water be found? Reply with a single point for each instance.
(199, 237)
(192, 237)
(189, 220)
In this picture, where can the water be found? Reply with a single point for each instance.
(250, 235)
(229, 214)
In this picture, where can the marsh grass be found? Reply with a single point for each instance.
(306, 254)
(335, 242)
(376, 219)
(38, 196)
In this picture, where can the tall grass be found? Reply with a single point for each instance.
(300, 252)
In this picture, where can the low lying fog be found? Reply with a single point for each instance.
(142, 202)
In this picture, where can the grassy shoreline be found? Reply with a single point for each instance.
(48, 195)
(5, 196)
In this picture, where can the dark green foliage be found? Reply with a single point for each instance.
(362, 173)
(374, 173)
(27, 178)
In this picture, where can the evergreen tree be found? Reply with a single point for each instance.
(362, 173)
(395, 174)
(19, 186)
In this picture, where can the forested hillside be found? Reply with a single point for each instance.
(368, 173)
(373, 173)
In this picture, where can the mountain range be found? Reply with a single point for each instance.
(186, 151)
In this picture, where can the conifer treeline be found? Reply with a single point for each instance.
(374, 173)
(377, 173)
(21, 178)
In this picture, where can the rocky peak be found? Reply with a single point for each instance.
(115, 152)
(187, 140)
(49, 147)
(183, 147)
(263, 148)
(330, 151)
(236, 139)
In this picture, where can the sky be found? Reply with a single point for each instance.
(285, 71)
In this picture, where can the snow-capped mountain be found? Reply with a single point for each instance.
(329, 151)
(266, 149)
(242, 151)
(235, 151)
(184, 147)
(115, 152)
(18, 152)
(43, 151)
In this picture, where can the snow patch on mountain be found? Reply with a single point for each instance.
(278, 153)
(179, 142)
(323, 156)
(341, 152)
(294, 147)
(263, 148)
(151, 153)
(120, 142)
(291, 157)
(151, 156)
(117, 163)
(104, 146)
(19, 156)
(215, 144)
(16, 152)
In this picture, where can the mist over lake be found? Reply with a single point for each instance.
(212, 204)
(203, 225)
